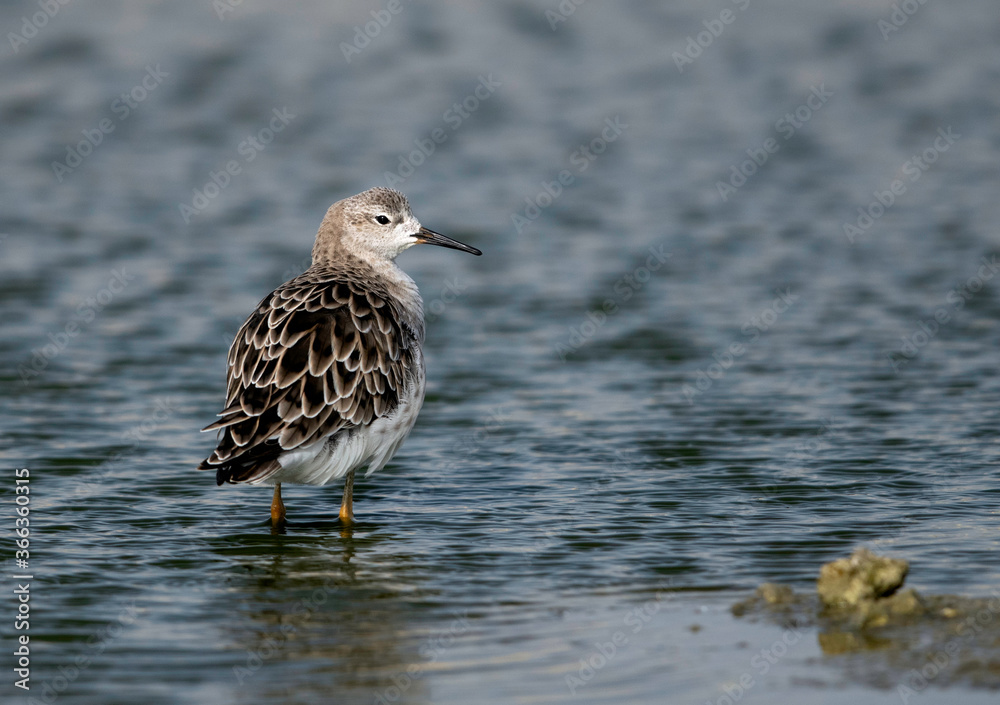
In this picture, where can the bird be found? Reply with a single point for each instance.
(327, 374)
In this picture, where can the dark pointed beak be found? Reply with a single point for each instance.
(429, 237)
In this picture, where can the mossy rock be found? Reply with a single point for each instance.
(864, 577)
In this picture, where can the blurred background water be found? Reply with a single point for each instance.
(674, 374)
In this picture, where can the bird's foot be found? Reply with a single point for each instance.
(277, 507)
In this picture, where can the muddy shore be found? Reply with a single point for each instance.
(885, 635)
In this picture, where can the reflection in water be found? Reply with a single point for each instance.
(904, 640)
(326, 613)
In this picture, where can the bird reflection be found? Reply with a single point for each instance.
(326, 615)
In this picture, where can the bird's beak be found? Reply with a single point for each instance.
(429, 237)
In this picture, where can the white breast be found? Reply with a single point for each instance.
(372, 446)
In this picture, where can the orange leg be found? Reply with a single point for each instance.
(347, 505)
(277, 506)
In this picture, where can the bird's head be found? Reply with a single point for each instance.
(377, 222)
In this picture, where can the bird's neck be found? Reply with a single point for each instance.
(385, 276)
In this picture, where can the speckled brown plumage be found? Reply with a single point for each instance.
(326, 377)
(320, 354)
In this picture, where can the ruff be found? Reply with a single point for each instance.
(327, 375)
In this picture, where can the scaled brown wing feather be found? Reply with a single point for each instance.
(317, 356)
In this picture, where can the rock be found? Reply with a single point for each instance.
(769, 595)
(863, 577)
(859, 608)
(774, 594)
(882, 611)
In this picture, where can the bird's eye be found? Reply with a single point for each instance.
(382, 220)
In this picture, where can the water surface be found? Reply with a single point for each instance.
(646, 397)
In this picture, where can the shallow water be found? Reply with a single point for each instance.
(644, 398)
